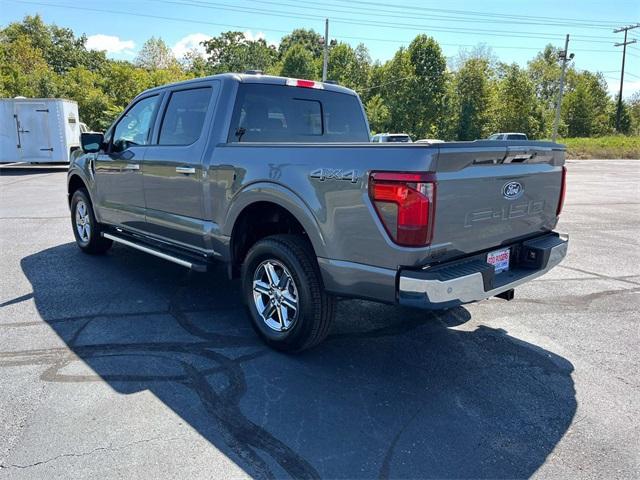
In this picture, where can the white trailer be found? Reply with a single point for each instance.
(38, 130)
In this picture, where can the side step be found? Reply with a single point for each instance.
(179, 259)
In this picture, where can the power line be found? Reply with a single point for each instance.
(478, 13)
(253, 27)
(147, 15)
(392, 25)
(466, 45)
(395, 14)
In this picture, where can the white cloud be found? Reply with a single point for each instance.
(249, 35)
(252, 37)
(628, 89)
(111, 44)
(188, 43)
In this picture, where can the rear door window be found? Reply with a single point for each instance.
(277, 113)
(184, 116)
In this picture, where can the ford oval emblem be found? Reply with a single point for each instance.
(512, 190)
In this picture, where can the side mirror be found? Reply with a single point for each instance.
(92, 142)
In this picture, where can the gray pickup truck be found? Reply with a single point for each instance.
(277, 178)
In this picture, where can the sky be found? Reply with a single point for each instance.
(514, 30)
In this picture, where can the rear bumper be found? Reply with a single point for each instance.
(473, 279)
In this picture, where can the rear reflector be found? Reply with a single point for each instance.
(296, 82)
(405, 204)
(563, 190)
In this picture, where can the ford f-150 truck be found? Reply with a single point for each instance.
(277, 178)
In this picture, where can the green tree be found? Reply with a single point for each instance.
(299, 63)
(349, 67)
(601, 102)
(233, 52)
(194, 64)
(587, 107)
(155, 54)
(378, 114)
(121, 82)
(625, 117)
(414, 88)
(94, 104)
(516, 102)
(578, 112)
(309, 40)
(60, 48)
(544, 71)
(394, 82)
(474, 91)
(24, 70)
(634, 113)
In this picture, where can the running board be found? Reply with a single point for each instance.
(185, 262)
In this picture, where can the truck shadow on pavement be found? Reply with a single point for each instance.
(391, 393)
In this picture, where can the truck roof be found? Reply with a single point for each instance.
(250, 78)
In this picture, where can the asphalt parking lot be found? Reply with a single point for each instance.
(126, 366)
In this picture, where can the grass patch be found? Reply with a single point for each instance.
(614, 146)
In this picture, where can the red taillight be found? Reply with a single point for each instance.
(563, 190)
(405, 203)
(296, 82)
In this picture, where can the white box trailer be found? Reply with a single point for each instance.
(38, 130)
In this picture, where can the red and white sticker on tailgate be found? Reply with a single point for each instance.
(499, 259)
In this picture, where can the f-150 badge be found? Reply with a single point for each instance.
(323, 174)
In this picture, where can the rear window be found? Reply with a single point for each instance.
(516, 136)
(276, 113)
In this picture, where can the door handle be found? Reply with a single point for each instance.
(131, 166)
(185, 170)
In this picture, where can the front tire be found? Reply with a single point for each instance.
(284, 295)
(86, 229)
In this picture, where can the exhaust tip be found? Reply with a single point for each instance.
(507, 295)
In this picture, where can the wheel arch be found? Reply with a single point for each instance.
(75, 182)
(269, 204)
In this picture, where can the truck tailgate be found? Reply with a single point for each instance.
(488, 196)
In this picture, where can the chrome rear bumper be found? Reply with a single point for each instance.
(473, 279)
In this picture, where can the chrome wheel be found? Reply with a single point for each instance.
(275, 295)
(83, 221)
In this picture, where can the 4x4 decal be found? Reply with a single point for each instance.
(323, 174)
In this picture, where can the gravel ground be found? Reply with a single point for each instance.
(126, 366)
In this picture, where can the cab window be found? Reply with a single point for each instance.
(134, 127)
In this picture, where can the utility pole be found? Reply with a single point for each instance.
(564, 55)
(325, 59)
(624, 54)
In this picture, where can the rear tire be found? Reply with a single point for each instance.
(283, 291)
(86, 229)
